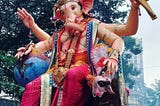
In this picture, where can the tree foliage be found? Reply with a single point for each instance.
(13, 34)
(7, 83)
(108, 10)
(150, 97)
(11, 27)
(153, 94)
(156, 86)
(131, 49)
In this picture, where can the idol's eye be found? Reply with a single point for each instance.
(73, 7)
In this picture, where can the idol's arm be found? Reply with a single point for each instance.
(29, 22)
(42, 46)
(117, 45)
(130, 27)
(110, 38)
(35, 49)
(39, 33)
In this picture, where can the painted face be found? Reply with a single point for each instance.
(70, 11)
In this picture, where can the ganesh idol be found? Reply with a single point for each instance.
(77, 69)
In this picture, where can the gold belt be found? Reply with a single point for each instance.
(78, 63)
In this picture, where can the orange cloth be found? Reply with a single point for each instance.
(82, 56)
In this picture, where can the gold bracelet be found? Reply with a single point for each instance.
(34, 51)
(106, 35)
(114, 54)
(134, 7)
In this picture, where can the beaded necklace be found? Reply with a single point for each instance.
(62, 62)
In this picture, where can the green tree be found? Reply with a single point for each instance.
(150, 97)
(7, 83)
(153, 94)
(131, 48)
(108, 10)
(156, 87)
(13, 33)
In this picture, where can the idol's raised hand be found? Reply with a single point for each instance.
(26, 18)
(29, 22)
(135, 3)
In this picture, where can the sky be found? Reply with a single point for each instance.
(149, 31)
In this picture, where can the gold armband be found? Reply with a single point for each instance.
(114, 54)
(35, 51)
(134, 7)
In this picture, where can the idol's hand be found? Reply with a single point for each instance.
(111, 64)
(26, 18)
(24, 51)
(135, 3)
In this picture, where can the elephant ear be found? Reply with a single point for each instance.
(86, 5)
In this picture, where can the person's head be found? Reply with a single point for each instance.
(69, 10)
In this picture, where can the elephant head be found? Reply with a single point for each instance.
(71, 12)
